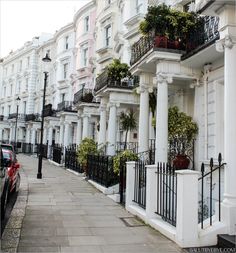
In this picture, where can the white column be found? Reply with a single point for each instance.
(143, 136)
(33, 134)
(61, 137)
(229, 202)
(111, 136)
(27, 139)
(12, 135)
(187, 208)
(129, 196)
(162, 118)
(50, 130)
(67, 134)
(102, 129)
(45, 135)
(79, 131)
(85, 132)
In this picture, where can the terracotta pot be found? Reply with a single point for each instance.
(161, 41)
(174, 44)
(181, 162)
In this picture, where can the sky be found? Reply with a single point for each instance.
(21, 20)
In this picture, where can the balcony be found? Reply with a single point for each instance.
(1, 117)
(13, 116)
(48, 111)
(197, 41)
(103, 80)
(205, 37)
(33, 117)
(83, 95)
(65, 106)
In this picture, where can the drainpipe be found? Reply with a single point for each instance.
(207, 70)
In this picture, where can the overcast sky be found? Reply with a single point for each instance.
(21, 20)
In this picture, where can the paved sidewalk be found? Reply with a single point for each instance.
(64, 213)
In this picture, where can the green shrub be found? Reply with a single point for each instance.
(126, 155)
(87, 146)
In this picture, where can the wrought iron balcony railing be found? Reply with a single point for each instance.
(1, 117)
(104, 80)
(13, 116)
(203, 38)
(33, 117)
(48, 111)
(65, 106)
(206, 35)
(83, 95)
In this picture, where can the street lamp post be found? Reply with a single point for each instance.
(46, 59)
(17, 109)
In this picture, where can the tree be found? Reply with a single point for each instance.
(128, 123)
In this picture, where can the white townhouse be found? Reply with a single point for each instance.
(84, 73)
(115, 97)
(17, 88)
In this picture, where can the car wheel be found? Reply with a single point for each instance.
(4, 201)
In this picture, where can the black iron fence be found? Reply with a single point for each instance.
(166, 193)
(71, 161)
(57, 153)
(27, 148)
(100, 170)
(211, 191)
(122, 181)
(65, 106)
(121, 146)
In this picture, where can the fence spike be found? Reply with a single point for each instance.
(211, 163)
(219, 158)
(202, 168)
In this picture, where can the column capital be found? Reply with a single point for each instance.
(196, 83)
(102, 107)
(113, 104)
(144, 87)
(227, 42)
(163, 77)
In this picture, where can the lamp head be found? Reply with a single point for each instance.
(46, 58)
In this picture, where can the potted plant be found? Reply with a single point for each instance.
(124, 156)
(118, 71)
(87, 146)
(169, 27)
(182, 130)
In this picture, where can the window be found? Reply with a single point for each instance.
(66, 42)
(63, 97)
(65, 70)
(26, 83)
(138, 6)
(85, 57)
(24, 106)
(4, 93)
(11, 89)
(20, 65)
(9, 109)
(2, 110)
(86, 24)
(18, 87)
(107, 2)
(12, 68)
(28, 61)
(108, 35)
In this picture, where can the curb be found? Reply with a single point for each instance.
(12, 231)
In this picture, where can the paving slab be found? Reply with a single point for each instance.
(62, 212)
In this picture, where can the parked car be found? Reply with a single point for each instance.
(8, 147)
(12, 169)
(5, 184)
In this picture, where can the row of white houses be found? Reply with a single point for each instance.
(201, 83)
